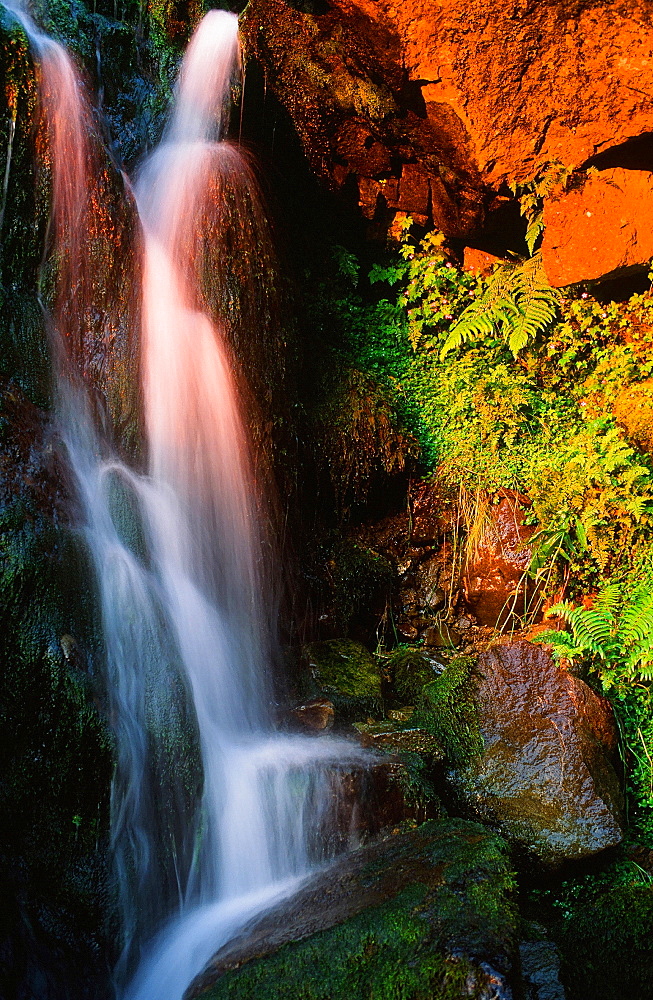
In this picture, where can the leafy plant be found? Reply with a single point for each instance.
(518, 303)
(616, 632)
(532, 194)
(433, 292)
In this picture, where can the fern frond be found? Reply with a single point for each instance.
(608, 599)
(636, 622)
(518, 303)
(592, 630)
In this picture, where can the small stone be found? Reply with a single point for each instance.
(317, 715)
(401, 714)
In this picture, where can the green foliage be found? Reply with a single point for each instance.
(432, 290)
(600, 918)
(517, 304)
(592, 497)
(608, 945)
(447, 709)
(613, 637)
(615, 631)
(531, 197)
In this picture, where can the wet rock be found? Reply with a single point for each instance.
(434, 513)
(409, 670)
(495, 585)
(600, 228)
(427, 911)
(540, 966)
(389, 736)
(317, 715)
(55, 757)
(346, 673)
(546, 771)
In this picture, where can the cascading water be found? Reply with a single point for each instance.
(178, 555)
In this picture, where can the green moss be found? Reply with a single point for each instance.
(447, 710)
(345, 671)
(456, 900)
(409, 671)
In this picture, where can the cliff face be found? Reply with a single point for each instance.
(436, 108)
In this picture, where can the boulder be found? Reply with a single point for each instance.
(540, 966)
(346, 673)
(545, 771)
(432, 108)
(600, 227)
(409, 670)
(495, 585)
(428, 912)
(315, 716)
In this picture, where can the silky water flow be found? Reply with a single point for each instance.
(198, 851)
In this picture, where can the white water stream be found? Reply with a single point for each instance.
(178, 558)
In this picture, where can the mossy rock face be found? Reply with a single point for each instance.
(422, 915)
(409, 670)
(447, 709)
(347, 673)
(607, 946)
(56, 757)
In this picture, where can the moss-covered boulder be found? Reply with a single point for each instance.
(347, 673)
(409, 671)
(447, 709)
(424, 914)
(531, 747)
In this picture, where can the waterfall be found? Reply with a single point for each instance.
(201, 843)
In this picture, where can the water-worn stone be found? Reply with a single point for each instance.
(388, 736)
(427, 911)
(494, 580)
(602, 227)
(317, 715)
(546, 769)
(540, 967)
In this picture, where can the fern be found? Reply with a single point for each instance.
(517, 304)
(617, 632)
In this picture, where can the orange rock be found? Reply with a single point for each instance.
(479, 262)
(496, 587)
(530, 83)
(600, 228)
(453, 100)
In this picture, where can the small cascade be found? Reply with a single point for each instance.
(215, 815)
